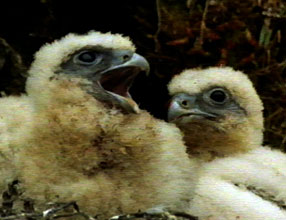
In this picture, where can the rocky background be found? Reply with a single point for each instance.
(173, 35)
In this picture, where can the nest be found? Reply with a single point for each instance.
(16, 207)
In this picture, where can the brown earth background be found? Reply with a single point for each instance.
(173, 35)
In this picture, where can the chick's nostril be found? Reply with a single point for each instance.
(122, 56)
(126, 57)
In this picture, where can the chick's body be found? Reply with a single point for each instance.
(105, 161)
(83, 149)
(248, 186)
(15, 114)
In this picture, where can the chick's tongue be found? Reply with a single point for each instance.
(118, 81)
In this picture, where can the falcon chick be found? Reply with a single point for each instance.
(89, 142)
(220, 114)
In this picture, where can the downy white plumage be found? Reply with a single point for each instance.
(88, 141)
(220, 114)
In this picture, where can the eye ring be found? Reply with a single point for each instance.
(184, 104)
(218, 96)
(86, 58)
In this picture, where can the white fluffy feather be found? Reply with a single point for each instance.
(244, 186)
(247, 181)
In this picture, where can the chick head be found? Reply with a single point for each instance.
(218, 110)
(104, 65)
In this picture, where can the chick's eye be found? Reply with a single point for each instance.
(218, 96)
(87, 57)
(185, 104)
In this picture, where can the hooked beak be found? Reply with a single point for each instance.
(184, 108)
(117, 80)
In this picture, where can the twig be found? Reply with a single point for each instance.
(283, 142)
(277, 112)
(161, 216)
(200, 40)
(185, 215)
(156, 36)
(51, 213)
(18, 216)
(14, 56)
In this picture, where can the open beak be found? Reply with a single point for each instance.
(184, 108)
(117, 81)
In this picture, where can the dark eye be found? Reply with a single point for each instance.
(87, 57)
(218, 96)
(185, 104)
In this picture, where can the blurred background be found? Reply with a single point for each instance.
(173, 35)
